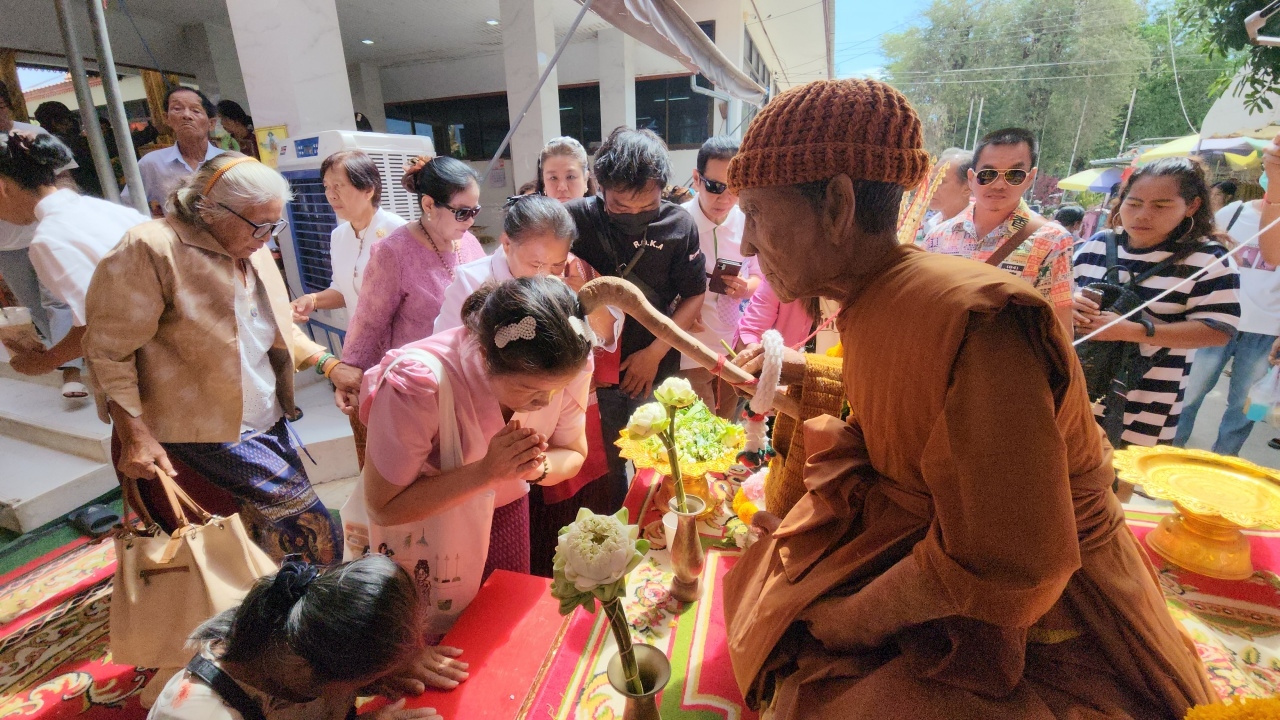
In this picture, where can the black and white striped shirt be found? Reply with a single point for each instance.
(1152, 408)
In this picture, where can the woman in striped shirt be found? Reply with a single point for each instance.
(1163, 208)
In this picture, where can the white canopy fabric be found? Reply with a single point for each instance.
(664, 26)
(1229, 115)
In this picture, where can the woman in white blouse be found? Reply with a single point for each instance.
(353, 187)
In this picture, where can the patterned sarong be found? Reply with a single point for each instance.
(279, 507)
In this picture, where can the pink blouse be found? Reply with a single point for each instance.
(400, 294)
(403, 414)
(765, 311)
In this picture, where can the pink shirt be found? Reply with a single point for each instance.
(403, 414)
(765, 311)
(400, 294)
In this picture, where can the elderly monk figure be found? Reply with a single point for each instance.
(957, 550)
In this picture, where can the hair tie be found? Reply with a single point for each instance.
(584, 331)
(526, 329)
(294, 577)
(222, 171)
(407, 181)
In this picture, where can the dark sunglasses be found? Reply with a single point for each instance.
(1014, 177)
(462, 214)
(261, 230)
(715, 187)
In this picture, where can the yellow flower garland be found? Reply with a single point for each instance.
(744, 508)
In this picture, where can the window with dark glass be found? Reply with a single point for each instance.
(670, 108)
(468, 128)
(580, 113)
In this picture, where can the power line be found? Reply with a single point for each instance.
(1033, 65)
(760, 20)
(1176, 82)
(1012, 79)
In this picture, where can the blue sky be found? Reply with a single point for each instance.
(859, 26)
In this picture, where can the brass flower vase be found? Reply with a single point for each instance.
(655, 671)
(687, 555)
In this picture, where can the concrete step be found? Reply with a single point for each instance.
(53, 379)
(39, 484)
(37, 413)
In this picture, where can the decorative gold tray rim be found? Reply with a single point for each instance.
(634, 451)
(1127, 461)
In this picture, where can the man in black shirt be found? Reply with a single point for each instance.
(629, 231)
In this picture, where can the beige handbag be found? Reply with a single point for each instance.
(167, 585)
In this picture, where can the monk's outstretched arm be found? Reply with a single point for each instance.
(1003, 542)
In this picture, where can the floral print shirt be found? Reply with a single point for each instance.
(1043, 259)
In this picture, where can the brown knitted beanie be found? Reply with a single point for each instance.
(862, 128)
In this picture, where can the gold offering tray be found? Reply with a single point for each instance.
(1215, 495)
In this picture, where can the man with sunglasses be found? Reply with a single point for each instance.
(732, 277)
(998, 228)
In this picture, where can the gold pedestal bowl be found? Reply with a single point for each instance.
(1215, 496)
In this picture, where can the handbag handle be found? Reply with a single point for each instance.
(178, 498)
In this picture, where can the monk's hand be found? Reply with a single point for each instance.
(751, 359)
(765, 522)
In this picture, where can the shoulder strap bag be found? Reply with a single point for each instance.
(166, 585)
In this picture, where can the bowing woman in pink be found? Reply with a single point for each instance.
(519, 369)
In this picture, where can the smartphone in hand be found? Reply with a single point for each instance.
(723, 267)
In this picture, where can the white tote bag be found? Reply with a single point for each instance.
(445, 553)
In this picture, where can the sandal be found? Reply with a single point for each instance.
(93, 520)
(74, 390)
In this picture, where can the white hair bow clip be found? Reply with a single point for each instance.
(583, 329)
(526, 329)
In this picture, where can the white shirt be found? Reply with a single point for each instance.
(257, 331)
(468, 277)
(720, 313)
(162, 170)
(72, 233)
(349, 253)
(16, 237)
(1259, 282)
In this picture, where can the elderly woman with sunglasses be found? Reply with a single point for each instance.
(192, 349)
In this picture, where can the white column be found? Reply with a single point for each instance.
(218, 68)
(616, 51)
(528, 42)
(294, 69)
(373, 108)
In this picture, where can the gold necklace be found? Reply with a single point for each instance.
(457, 256)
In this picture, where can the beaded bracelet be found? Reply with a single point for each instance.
(324, 358)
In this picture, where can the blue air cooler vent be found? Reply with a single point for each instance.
(311, 221)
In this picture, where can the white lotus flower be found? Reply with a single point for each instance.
(596, 550)
(675, 392)
(648, 420)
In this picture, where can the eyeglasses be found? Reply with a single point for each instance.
(462, 214)
(261, 230)
(715, 187)
(1014, 177)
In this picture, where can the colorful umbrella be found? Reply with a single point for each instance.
(1194, 145)
(1092, 180)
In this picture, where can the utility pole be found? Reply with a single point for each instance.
(968, 124)
(1072, 163)
(978, 126)
(1125, 135)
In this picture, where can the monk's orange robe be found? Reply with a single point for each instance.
(959, 552)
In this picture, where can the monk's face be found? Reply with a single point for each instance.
(808, 244)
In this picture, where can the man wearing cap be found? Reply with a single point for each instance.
(956, 550)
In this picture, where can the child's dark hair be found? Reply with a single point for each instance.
(1192, 184)
(440, 178)
(32, 161)
(556, 346)
(354, 621)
